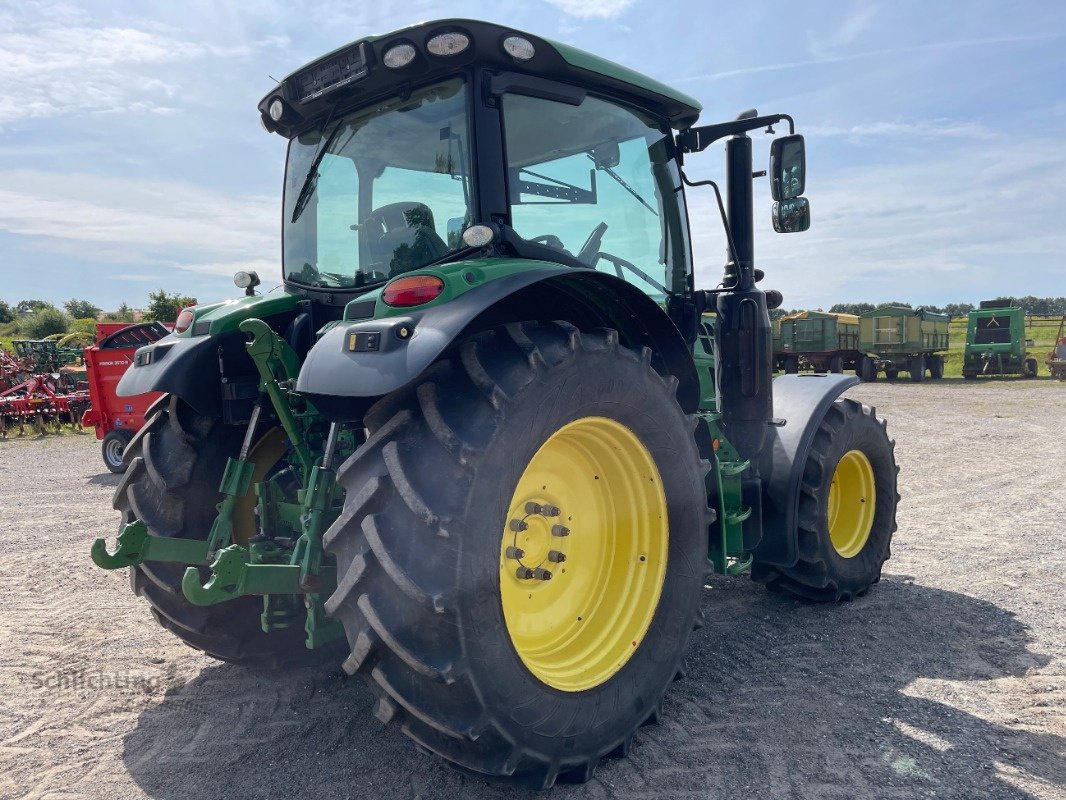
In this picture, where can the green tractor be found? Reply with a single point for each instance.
(996, 343)
(481, 449)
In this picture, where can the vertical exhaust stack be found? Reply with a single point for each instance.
(744, 369)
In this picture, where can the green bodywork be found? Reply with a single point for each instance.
(285, 562)
(995, 342)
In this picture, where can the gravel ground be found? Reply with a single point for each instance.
(947, 680)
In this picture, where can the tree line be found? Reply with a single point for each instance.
(37, 319)
(1039, 306)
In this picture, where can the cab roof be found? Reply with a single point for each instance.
(355, 73)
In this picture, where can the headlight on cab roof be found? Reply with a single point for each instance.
(399, 55)
(448, 44)
(519, 48)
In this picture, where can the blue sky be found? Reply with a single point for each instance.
(131, 156)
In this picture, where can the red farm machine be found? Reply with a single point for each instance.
(116, 419)
(1056, 360)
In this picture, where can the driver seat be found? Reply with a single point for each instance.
(402, 237)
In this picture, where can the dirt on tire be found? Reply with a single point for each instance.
(948, 679)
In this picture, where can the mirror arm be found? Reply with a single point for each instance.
(695, 140)
(725, 225)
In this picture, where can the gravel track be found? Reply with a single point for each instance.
(947, 680)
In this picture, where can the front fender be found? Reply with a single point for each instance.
(371, 358)
(801, 401)
(186, 367)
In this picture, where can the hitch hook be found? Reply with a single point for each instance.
(131, 543)
(226, 581)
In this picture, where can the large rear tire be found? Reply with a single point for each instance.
(175, 466)
(847, 509)
(452, 515)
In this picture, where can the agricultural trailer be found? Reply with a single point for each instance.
(474, 449)
(896, 339)
(116, 419)
(818, 341)
(1056, 359)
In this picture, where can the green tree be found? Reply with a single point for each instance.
(851, 308)
(81, 309)
(32, 306)
(958, 309)
(164, 307)
(7, 313)
(44, 323)
(124, 314)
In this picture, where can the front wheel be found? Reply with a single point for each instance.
(112, 448)
(867, 369)
(847, 509)
(524, 616)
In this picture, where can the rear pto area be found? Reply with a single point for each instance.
(946, 680)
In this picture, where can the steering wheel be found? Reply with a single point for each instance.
(591, 247)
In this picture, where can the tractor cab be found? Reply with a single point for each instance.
(399, 146)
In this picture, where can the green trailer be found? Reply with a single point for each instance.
(818, 341)
(996, 343)
(896, 339)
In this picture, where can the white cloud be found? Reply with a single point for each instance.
(930, 231)
(867, 54)
(153, 223)
(592, 9)
(924, 129)
(48, 69)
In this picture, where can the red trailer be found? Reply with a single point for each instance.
(115, 418)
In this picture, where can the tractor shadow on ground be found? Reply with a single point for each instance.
(104, 479)
(782, 699)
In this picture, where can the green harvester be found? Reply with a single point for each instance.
(996, 343)
(485, 444)
(896, 339)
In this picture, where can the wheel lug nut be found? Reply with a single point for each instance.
(550, 511)
(524, 573)
(515, 553)
(542, 574)
(556, 557)
(560, 530)
(534, 508)
(518, 525)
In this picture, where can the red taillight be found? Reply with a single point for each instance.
(412, 291)
(185, 319)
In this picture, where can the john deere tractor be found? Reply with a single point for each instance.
(480, 449)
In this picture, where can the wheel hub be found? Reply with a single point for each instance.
(583, 554)
(851, 504)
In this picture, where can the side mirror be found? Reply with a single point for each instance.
(792, 216)
(788, 167)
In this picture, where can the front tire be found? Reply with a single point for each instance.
(847, 509)
(501, 443)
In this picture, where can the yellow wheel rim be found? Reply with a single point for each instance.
(583, 554)
(851, 504)
(264, 454)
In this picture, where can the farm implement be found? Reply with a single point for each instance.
(41, 404)
(996, 343)
(1056, 360)
(485, 445)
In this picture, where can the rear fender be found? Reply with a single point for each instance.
(346, 364)
(801, 401)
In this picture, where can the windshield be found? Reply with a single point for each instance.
(597, 181)
(379, 192)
